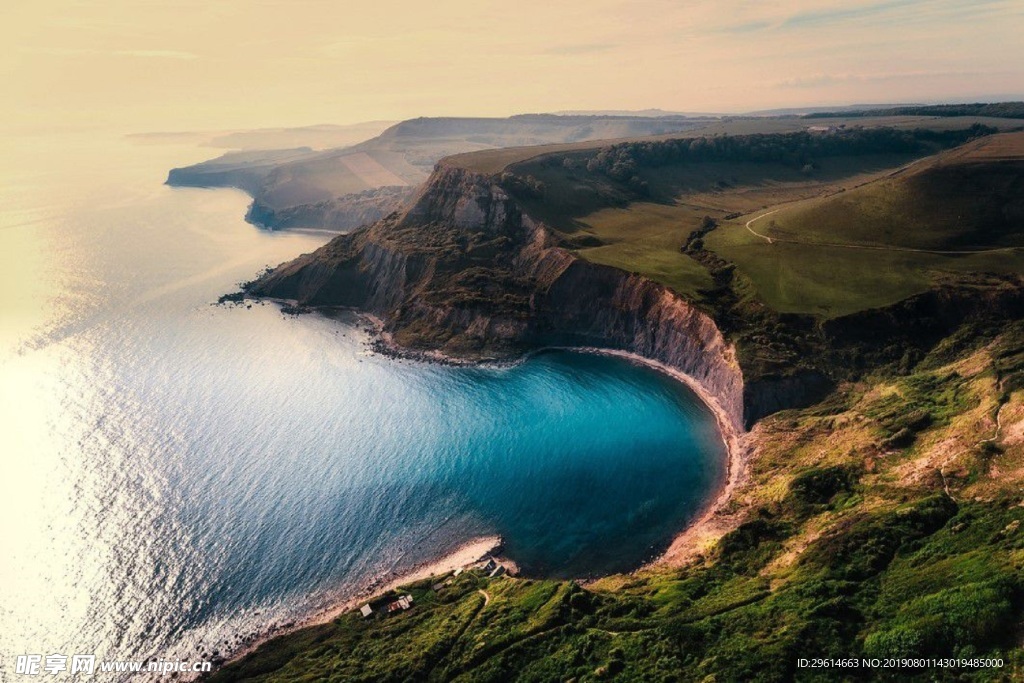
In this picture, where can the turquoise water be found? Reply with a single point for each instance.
(178, 475)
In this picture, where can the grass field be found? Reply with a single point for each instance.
(966, 199)
(970, 198)
(830, 281)
(645, 238)
(885, 205)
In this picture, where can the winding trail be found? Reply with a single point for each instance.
(487, 598)
(754, 232)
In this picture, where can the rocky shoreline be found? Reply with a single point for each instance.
(739, 444)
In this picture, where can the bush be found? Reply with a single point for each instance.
(820, 485)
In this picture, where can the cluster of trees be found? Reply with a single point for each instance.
(622, 161)
(1006, 110)
(522, 186)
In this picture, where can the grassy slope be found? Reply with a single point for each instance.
(335, 174)
(882, 522)
(646, 236)
(972, 197)
(849, 546)
(826, 281)
(968, 198)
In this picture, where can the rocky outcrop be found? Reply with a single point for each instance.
(468, 201)
(340, 213)
(465, 271)
(598, 306)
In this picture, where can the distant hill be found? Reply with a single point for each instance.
(968, 198)
(348, 186)
(1008, 110)
(654, 113)
(321, 136)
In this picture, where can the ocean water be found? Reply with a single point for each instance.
(175, 475)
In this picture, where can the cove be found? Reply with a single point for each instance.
(181, 476)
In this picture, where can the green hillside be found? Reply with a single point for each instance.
(885, 522)
(826, 230)
(969, 199)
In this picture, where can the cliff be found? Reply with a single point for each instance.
(345, 187)
(466, 272)
(339, 213)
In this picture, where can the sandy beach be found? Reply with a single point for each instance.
(467, 553)
(691, 541)
(709, 525)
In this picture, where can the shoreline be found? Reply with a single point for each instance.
(694, 536)
(685, 545)
(467, 553)
(737, 450)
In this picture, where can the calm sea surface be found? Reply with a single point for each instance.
(175, 474)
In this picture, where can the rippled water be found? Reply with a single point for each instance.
(174, 474)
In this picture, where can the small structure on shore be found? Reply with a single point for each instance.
(366, 611)
(400, 605)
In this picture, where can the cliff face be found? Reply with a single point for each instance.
(341, 213)
(466, 272)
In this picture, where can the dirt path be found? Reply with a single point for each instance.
(754, 232)
(487, 598)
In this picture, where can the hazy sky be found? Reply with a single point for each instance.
(151, 65)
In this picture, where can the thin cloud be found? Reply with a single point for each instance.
(585, 49)
(820, 80)
(156, 54)
(897, 11)
(745, 27)
(144, 54)
(830, 16)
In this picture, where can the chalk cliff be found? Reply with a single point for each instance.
(465, 271)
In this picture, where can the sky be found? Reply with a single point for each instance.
(148, 65)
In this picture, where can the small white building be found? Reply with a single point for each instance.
(366, 611)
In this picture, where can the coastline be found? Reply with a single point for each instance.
(467, 553)
(685, 545)
(703, 530)
(708, 525)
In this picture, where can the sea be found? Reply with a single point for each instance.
(177, 476)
